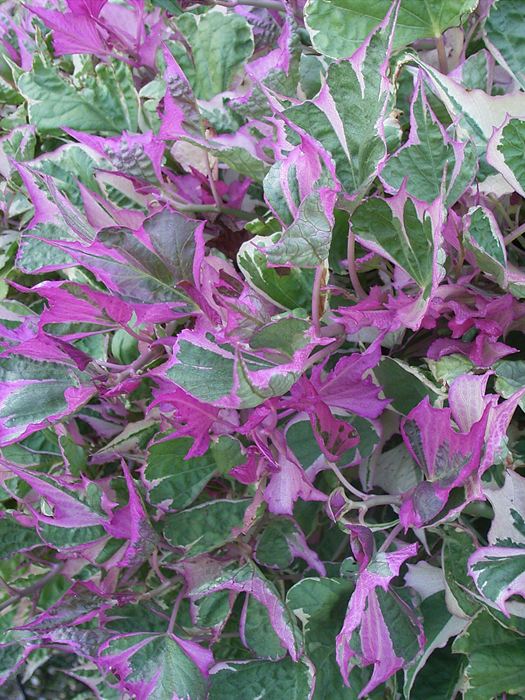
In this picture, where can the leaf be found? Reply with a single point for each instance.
(257, 633)
(427, 154)
(499, 574)
(176, 481)
(242, 377)
(476, 111)
(447, 458)
(345, 118)
(287, 287)
(320, 604)
(339, 27)
(441, 676)
(249, 579)
(458, 546)
(495, 659)
(504, 36)
(173, 238)
(68, 166)
(129, 268)
(403, 384)
(15, 537)
(504, 151)
(220, 45)
(396, 230)
(205, 527)
(110, 106)
(379, 628)
(158, 667)
(306, 242)
(508, 502)
(40, 385)
(251, 680)
(439, 625)
(510, 377)
(483, 239)
(281, 541)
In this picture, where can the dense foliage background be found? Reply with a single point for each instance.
(263, 364)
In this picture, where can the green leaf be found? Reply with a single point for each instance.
(339, 27)
(407, 241)
(274, 545)
(258, 632)
(424, 159)
(221, 43)
(287, 287)
(15, 538)
(205, 527)
(457, 548)
(495, 659)
(477, 112)
(447, 368)
(157, 663)
(439, 625)
(35, 254)
(228, 377)
(37, 392)
(505, 152)
(70, 164)
(510, 377)
(242, 161)
(505, 36)
(19, 146)
(497, 572)
(66, 537)
(406, 386)
(345, 117)
(484, 240)
(306, 242)
(320, 604)
(109, 105)
(255, 680)
(202, 372)
(440, 677)
(177, 481)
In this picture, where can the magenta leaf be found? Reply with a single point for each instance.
(379, 627)
(446, 457)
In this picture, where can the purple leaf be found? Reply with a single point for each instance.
(74, 33)
(446, 457)
(389, 634)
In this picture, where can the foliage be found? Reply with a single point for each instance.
(261, 363)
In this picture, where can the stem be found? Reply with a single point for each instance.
(239, 213)
(348, 486)
(390, 538)
(510, 237)
(34, 588)
(157, 591)
(211, 180)
(350, 262)
(175, 610)
(316, 299)
(442, 54)
(268, 4)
